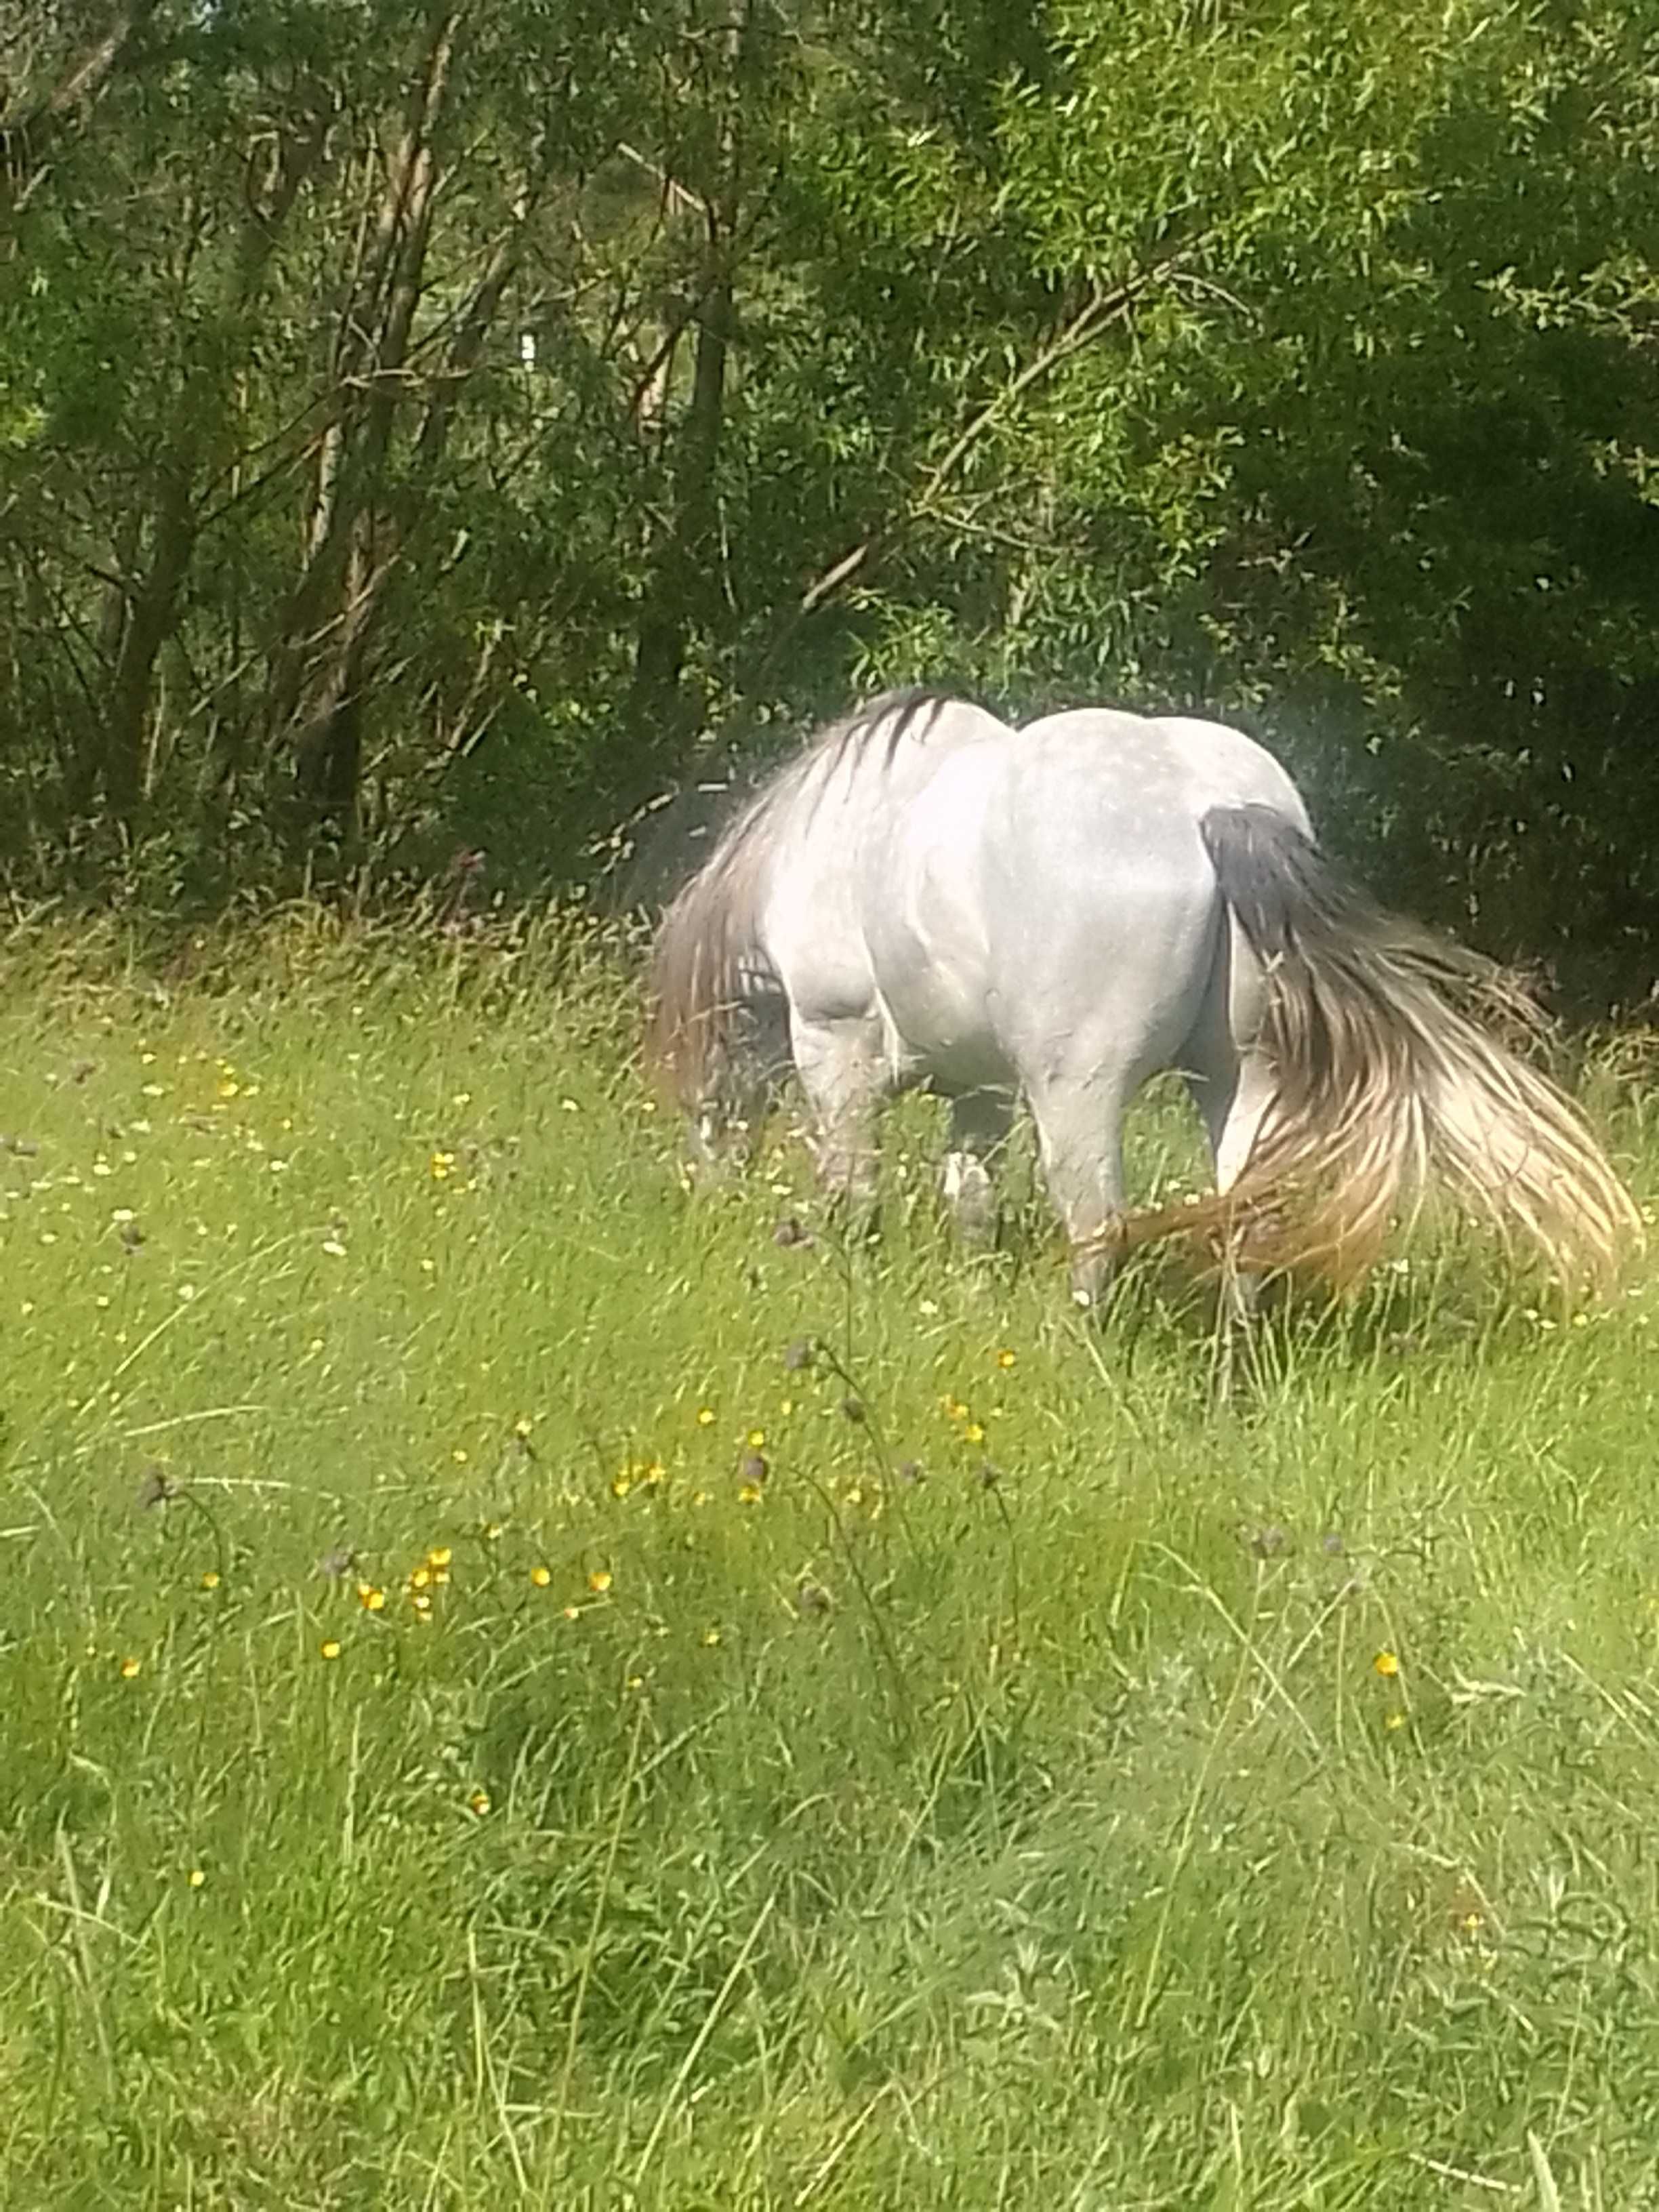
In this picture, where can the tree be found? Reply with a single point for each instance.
(437, 425)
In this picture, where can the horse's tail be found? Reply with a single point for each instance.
(1388, 1080)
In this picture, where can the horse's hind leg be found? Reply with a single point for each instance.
(1231, 1082)
(1232, 1090)
(843, 1071)
(1079, 1126)
(979, 1123)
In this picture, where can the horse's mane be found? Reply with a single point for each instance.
(706, 959)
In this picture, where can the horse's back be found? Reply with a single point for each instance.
(1175, 765)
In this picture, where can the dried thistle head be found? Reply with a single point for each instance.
(1267, 1543)
(157, 1489)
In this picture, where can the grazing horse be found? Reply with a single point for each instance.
(926, 895)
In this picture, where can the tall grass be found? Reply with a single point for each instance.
(521, 1685)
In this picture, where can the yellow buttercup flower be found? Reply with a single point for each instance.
(599, 1581)
(328, 1648)
(210, 1580)
(440, 1556)
(478, 1802)
(129, 1668)
(196, 1877)
(1006, 1358)
(705, 1417)
(1387, 1664)
(541, 1576)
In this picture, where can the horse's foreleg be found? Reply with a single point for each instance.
(1079, 1125)
(979, 1123)
(843, 1072)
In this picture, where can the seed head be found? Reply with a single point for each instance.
(155, 1490)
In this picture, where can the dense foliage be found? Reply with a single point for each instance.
(422, 427)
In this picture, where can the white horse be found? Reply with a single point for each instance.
(926, 895)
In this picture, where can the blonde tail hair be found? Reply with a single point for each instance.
(1389, 1081)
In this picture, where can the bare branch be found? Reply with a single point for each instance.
(25, 139)
(1102, 308)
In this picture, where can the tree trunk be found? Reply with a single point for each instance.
(318, 659)
(683, 583)
(682, 580)
(150, 608)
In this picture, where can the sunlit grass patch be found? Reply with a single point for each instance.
(522, 1683)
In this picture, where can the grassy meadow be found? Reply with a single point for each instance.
(522, 1684)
